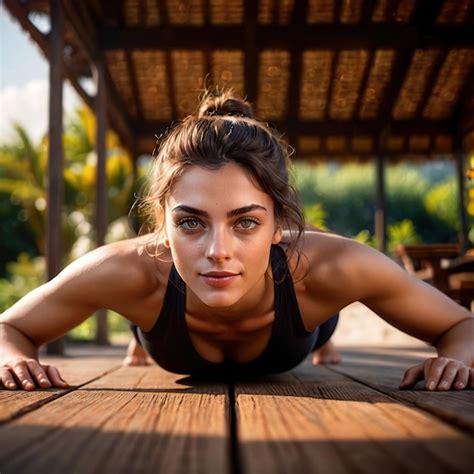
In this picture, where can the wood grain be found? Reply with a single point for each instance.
(315, 420)
(139, 419)
(76, 372)
(383, 369)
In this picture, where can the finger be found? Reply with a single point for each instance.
(428, 366)
(471, 377)
(462, 378)
(7, 379)
(449, 374)
(412, 376)
(55, 378)
(20, 371)
(433, 377)
(38, 373)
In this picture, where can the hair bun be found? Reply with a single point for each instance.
(224, 103)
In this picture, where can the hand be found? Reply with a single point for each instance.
(440, 373)
(27, 373)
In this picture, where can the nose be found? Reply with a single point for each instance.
(219, 246)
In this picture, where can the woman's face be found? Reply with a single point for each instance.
(220, 227)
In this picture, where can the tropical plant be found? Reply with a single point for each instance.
(23, 178)
(401, 233)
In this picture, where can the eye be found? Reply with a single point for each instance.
(248, 223)
(188, 223)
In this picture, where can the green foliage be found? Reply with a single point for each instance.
(17, 236)
(315, 215)
(401, 233)
(424, 195)
(440, 201)
(22, 186)
(26, 274)
(85, 332)
(365, 237)
(345, 193)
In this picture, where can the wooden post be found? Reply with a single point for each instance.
(463, 230)
(101, 184)
(55, 153)
(380, 204)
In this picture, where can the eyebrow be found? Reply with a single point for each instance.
(233, 213)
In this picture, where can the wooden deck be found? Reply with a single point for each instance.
(349, 418)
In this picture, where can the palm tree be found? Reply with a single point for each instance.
(23, 176)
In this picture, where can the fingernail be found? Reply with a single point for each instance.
(27, 384)
(431, 385)
(10, 384)
(460, 385)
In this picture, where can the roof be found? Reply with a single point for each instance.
(344, 79)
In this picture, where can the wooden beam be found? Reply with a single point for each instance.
(298, 20)
(339, 36)
(461, 178)
(329, 127)
(54, 233)
(163, 9)
(367, 12)
(363, 83)
(134, 84)
(247, 38)
(433, 76)
(380, 208)
(463, 115)
(332, 75)
(21, 14)
(101, 183)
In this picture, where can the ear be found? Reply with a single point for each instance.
(277, 235)
(164, 239)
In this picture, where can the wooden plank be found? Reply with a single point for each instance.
(75, 372)
(136, 419)
(315, 420)
(383, 370)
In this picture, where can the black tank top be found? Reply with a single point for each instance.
(170, 345)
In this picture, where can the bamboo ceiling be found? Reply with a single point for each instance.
(343, 79)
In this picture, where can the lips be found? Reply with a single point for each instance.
(219, 274)
(219, 279)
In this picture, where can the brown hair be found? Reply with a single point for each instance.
(223, 130)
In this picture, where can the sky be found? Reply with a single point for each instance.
(24, 77)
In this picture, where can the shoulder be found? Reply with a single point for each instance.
(126, 268)
(339, 267)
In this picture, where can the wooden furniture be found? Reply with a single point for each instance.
(443, 267)
(349, 418)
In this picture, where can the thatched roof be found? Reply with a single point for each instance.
(341, 78)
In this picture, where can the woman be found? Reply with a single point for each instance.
(229, 283)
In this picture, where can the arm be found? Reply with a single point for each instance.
(342, 271)
(421, 311)
(91, 282)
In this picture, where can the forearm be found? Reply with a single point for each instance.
(458, 342)
(13, 342)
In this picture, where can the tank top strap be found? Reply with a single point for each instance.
(287, 312)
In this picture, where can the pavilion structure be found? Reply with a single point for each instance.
(347, 80)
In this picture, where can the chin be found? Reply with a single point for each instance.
(217, 300)
(217, 297)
